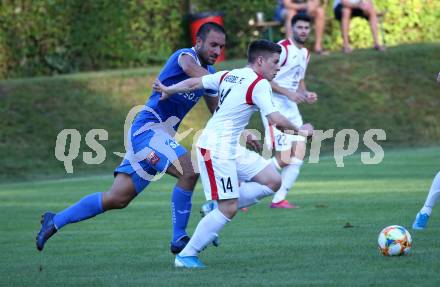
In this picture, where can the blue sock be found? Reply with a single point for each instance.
(89, 206)
(180, 211)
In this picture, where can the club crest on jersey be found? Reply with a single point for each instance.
(152, 158)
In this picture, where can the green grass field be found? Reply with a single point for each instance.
(308, 246)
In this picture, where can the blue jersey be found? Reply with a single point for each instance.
(179, 104)
(150, 150)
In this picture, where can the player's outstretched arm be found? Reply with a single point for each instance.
(283, 124)
(184, 86)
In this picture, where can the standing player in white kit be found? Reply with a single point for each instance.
(221, 159)
(289, 90)
(423, 215)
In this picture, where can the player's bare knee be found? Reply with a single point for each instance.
(230, 212)
(124, 201)
(274, 183)
(283, 164)
(119, 204)
(189, 179)
(228, 207)
(283, 158)
(191, 176)
(117, 198)
(120, 194)
(115, 201)
(188, 173)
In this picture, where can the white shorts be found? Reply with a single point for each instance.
(221, 177)
(276, 139)
(279, 141)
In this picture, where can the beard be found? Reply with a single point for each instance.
(202, 55)
(298, 39)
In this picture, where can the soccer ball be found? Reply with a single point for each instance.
(394, 240)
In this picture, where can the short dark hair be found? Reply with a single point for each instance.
(208, 27)
(300, 17)
(259, 48)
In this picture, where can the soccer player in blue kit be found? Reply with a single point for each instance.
(152, 148)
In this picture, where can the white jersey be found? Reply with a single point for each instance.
(293, 68)
(293, 61)
(241, 93)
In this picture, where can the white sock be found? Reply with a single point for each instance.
(251, 193)
(433, 195)
(207, 230)
(289, 174)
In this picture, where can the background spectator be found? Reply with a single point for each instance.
(346, 9)
(288, 8)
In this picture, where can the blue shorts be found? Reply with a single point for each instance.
(148, 153)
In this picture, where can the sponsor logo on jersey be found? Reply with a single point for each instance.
(190, 96)
(172, 143)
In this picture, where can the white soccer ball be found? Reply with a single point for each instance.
(354, 2)
(394, 240)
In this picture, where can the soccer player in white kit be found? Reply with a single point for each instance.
(223, 162)
(423, 215)
(289, 90)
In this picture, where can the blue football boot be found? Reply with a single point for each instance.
(421, 221)
(47, 230)
(190, 262)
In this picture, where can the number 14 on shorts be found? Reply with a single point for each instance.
(226, 184)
